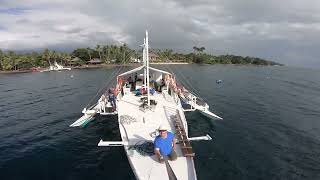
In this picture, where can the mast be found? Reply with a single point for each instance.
(147, 61)
(144, 63)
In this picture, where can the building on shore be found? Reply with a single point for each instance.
(153, 57)
(134, 60)
(95, 61)
(75, 62)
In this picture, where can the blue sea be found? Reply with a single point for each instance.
(270, 130)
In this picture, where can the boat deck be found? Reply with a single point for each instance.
(138, 125)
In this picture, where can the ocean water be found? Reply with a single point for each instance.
(271, 126)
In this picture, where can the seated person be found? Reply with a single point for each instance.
(165, 145)
(162, 84)
(143, 90)
(152, 91)
(129, 80)
(138, 93)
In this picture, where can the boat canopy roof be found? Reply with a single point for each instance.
(131, 71)
(159, 70)
(141, 67)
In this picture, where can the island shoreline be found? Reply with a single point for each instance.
(35, 69)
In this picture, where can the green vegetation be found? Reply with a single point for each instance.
(198, 56)
(112, 54)
(108, 54)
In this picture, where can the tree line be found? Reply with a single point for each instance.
(122, 54)
(11, 60)
(199, 56)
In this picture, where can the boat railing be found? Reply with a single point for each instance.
(176, 98)
(182, 119)
(92, 106)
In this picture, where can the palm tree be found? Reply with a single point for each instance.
(12, 57)
(54, 55)
(1, 59)
(198, 50)
(66, 58)
(34, 58)
(98, 48)
(46, 55)
(195, 49)
(105, 53)
(89, 53)
(168, 53)
(202, 49)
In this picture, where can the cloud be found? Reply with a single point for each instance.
(13, 11)
(286, 31)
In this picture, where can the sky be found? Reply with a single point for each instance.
(286, 31)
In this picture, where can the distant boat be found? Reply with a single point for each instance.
(219, 81)
(141, 107)
(55, 67)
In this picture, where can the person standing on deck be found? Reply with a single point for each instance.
(162, 84)
(102, 102)
(165, 145)
(112, 99)
(135, 77)
(131, 83)
(129, 80)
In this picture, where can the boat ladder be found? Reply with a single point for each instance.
(185, 145)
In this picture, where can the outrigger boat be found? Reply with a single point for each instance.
(143, 104)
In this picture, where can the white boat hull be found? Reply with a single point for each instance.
(88, 115)
(138, 127)
(82, 121)
(140, 117)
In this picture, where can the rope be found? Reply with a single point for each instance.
(113, 75)
(187, 83)
(145, 148)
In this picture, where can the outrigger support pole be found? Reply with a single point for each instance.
(200, 138)
(112, 143)
(121, 143)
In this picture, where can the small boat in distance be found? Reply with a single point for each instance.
(143, 99)
(55, 67)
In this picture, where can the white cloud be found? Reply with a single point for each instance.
(45, 27)
(268, 29)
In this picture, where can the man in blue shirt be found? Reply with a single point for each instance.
(165, 145)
